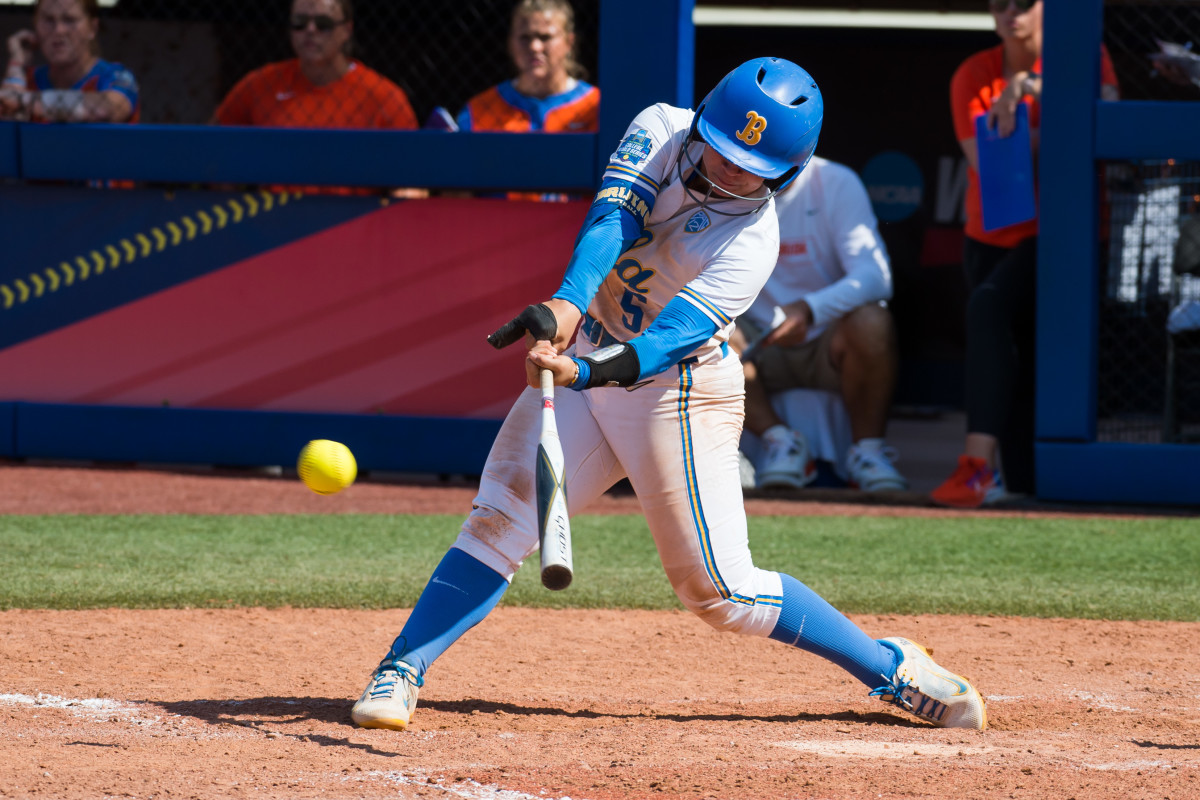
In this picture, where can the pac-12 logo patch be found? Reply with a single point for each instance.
(635, 148)
(697, 222)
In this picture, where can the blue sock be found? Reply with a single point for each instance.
(807, 621)
(461, 592)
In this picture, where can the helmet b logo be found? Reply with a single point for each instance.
(752, 133)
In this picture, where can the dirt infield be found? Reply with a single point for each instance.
(553, 704)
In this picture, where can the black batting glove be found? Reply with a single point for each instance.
(538, 320)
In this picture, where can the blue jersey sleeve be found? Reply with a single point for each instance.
(679, 329)
(116, 78)
(613, 224)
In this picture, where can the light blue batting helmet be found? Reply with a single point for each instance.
(765, 117)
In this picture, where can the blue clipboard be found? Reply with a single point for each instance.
(1006, 183)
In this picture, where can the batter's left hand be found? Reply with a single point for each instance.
(544, 355)
(554, 320)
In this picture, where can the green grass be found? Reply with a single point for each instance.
(1085, 567)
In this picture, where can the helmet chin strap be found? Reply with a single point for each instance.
(705, 199)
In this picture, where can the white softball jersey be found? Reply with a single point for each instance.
(716, 262)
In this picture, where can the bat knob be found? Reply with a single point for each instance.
(556, 577)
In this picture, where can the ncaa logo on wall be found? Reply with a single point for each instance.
(895, 185)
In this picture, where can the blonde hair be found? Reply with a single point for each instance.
(527, 8)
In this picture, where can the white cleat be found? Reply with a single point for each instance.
(390, 697)
(924, 689)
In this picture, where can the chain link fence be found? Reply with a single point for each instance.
(1135, 31)
(186, 55)
(1149, 343)
(1149, 382)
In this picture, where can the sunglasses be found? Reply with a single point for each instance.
(1002, 5)
(324, 22)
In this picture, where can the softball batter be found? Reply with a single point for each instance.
(681, 237)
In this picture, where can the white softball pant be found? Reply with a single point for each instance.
(676, 439)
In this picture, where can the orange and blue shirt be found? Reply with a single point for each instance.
(502, 108)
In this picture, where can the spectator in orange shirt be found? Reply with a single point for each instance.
(75, 84)
(1000, 266)
(322, 87)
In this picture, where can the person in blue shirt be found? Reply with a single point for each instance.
(74, 84)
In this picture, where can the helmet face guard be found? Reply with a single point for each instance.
(764, 117)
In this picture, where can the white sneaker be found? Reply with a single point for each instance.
(872, 470)
(390, 697)
(787, 463)
(928, 691)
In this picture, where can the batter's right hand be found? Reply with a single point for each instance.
(543, 355)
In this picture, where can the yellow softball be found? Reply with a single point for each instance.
(326, 467)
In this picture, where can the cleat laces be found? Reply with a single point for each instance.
(893, 692)
(388, 676)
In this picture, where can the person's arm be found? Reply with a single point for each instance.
(73, 105)
(851, 226)
(395, 112)
(614, 222)
(237, 107)
(678, 330)
(14, 85)
(1003, 114)
(965, 105)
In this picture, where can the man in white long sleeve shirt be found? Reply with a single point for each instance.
(822, 322)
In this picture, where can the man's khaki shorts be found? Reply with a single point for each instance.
(805, 366)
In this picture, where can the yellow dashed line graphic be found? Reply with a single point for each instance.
(140, 245)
